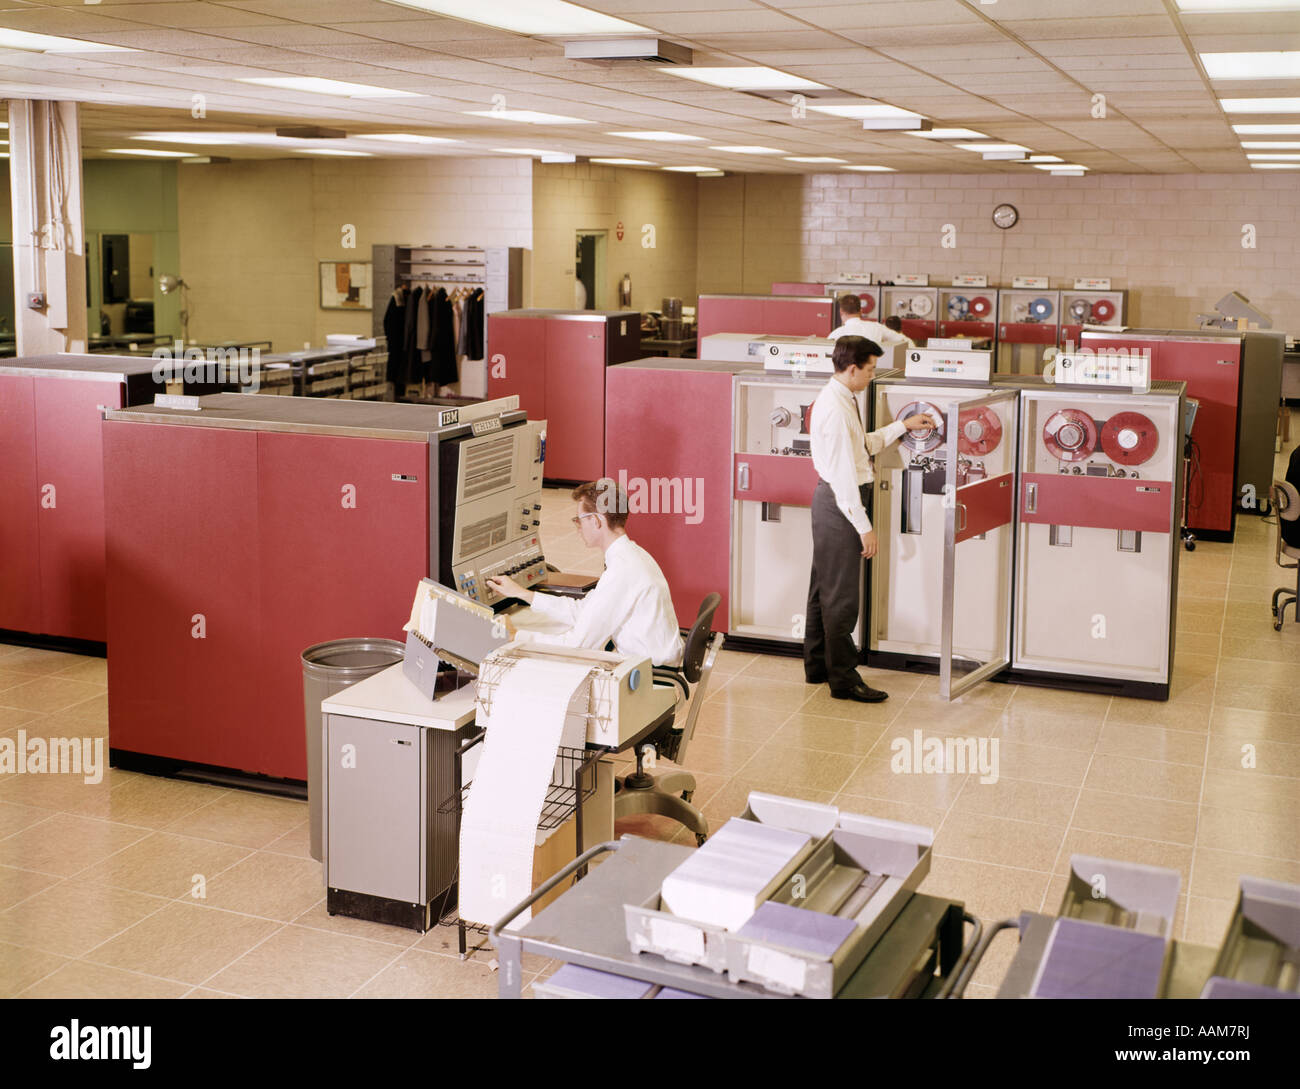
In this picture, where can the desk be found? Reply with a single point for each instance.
(586, 926)
(390, 839)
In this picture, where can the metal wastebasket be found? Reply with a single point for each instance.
(328, 668)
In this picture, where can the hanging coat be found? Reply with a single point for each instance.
(442, 368)
(395, 334)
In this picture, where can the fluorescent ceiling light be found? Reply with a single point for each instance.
(1059, 166)
(711, 174)
(532, 117)
(404, 138)
(1251, 65)
(666, 137)
(4, 124)
(872, 169)
(754, 78)
(1044, 159)
(547, 18)
(981, 148)
(149, 152)
(1266, 130)
(1276, 166)
(1238, 7)
(867, 111)
(950, 134)
(316, 85)
(333, 151)
(50, 43)
(559, 157)
(520, 151)
(1260, 105)
(1277, 157)
(1271, 143)
(694, 169)
(749, 149)
(623, 162)
(1005, 157)
(1078, 173)
(813, 159)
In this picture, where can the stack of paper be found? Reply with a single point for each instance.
(724, 881)
(575, 981)
(1092, 960)
(798, 928)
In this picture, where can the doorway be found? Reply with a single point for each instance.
(589, 282)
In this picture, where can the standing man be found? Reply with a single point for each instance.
(842, 533)
(852, 323)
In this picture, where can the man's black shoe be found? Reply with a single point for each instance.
(862, 693)
(815, 678)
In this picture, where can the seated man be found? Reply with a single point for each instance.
(631, 603)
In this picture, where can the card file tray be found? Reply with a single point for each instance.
(1261, 949)
(1124, 894)
(821, 917)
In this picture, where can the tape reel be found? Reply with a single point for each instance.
(1129, 438)
(1080, 309)
(868, 304)
(923, 306)
(980, 307)
(931, 437)
(980, 431)
(1070, 434)
(1103, 310)
(958, 307)
(1041, 308)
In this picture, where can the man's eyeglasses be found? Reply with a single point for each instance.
(577, 521)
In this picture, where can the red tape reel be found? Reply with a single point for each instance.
(1129, 438)
(1070, 434)
(1103, 310)
(980, 307)
(868, 303)
(930, 438)
(980, 431)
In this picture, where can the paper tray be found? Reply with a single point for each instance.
(651, 928)
(826, 877)
(864, 869)
(1262, 945)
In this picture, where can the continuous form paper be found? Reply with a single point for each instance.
(530, 718)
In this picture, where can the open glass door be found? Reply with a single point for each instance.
(978, 547)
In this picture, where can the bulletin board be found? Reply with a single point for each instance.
(345, 285)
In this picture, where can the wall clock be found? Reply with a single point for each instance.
(1005, 216)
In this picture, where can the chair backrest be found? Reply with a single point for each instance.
(697, 639)
(1286, 502)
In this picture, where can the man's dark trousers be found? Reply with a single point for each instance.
(834, 592)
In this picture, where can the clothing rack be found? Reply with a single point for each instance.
(461, 268)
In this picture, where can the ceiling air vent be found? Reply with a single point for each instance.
(310, 132)
(616, 50)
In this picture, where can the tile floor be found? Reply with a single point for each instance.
(138, 886)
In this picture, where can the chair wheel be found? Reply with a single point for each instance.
(1190, 546)
(687, 795)
(1277, 624)
(699, 839)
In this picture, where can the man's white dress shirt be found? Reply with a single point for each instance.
(872, 330)
(631, 604)
(841, 452)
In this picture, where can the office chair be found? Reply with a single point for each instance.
(1286, 502)
(669, 794)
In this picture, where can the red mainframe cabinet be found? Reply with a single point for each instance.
(670, 419)
(183, 551)
(340, 545)
(20, 550)
(556, 361)
(51, 485)
(1211, 367)
(575, 398)
(782, 315)
(279, 540)
(517, 359)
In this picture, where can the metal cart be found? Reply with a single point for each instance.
(921, 955)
